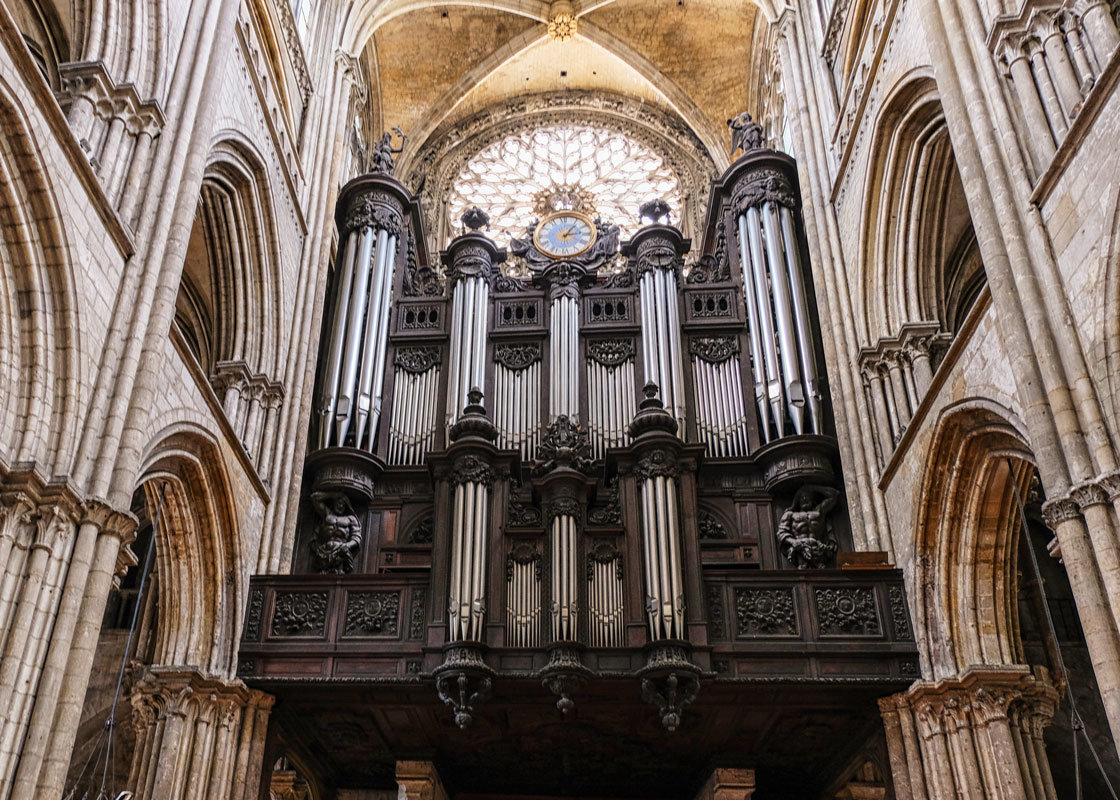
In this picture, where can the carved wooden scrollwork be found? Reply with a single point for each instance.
(611, 352)
(416, 359)
(517, 356)
(714, 349)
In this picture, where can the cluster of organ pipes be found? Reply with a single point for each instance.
(564, 350)
(605, 618)
(661, 551)
(786, 376)
(350, 396)
(517, 407)
(470, 304)
(661, 339)
(721, 417)
(412, 428)
(469, 553)
(610, 404)
(523, 606)
(564, 575)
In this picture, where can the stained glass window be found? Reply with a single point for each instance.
(584, 168)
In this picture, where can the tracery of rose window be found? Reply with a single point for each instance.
(530, 174)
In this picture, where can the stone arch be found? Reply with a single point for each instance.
(231, 292)
(198, 552)
(130, 38)
(966, 535)
(1110, 310)
(38, 312)
(438, 162)
(46, 28)
(919, 252)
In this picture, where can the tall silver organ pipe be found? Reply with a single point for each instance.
(370, 213)
(786, 372)
(471, 260)
(658, 251)
(610, 393)
(564, 580)
(517, 397)
(412, 428)
(563, 351)
(470, 523)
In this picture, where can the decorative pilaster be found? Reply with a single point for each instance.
(216, 726)
(971, 735)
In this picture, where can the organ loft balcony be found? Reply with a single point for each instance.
(574, 512)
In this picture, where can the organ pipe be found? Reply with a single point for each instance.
(721, 413)
(370, 213)
(777, 304)
(658, 250)
(605, 592)
(412, 426)
(523, 591)
(610, 393)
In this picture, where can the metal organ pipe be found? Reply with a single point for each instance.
(371, 212)
(661, 556)
(802, 320)
(764, 317)
(783, 313)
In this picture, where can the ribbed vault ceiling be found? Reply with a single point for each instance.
(433, 64)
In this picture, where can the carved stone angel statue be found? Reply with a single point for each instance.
(338, 534)
(745, 133)
(804, 535)
(381, 159)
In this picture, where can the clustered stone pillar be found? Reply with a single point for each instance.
(197, 737)
(978, 734)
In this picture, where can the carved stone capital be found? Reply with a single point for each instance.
(1059, 510)
(1088, 494)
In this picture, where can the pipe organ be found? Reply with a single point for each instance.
(606, 463)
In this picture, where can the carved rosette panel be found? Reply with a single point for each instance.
(900, 619)
(300, 614)
(847, 611)
(517, 357)
(611, 352)
(374, 208)
(760, 186)
(764, 612)
(714, 349)
(416, 360)
(373, 614)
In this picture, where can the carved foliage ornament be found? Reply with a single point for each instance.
(657, 464)
(713, 267)
(472, 259)
(419, 280)
(657, 252)
(764, 612)
(517, 356)
(374, 209)
(523, 553)
(714, 349)
(522, 515)
(300, 614)
(710, 526)
(565, 444)
(416, 360)
(604, 553)
(373, 614)
(765, 185)
(472, 469)
(847, 611)
(564, 506)
(611, 352)
(610, 513)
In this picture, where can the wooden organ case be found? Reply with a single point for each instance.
(579, 532)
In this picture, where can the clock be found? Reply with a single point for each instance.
(564, 234)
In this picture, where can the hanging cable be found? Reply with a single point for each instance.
(1075, 721)
(105, 738)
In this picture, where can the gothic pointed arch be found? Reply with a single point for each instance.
(39, 368)
(921, 261)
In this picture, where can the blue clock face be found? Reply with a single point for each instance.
(565, 235)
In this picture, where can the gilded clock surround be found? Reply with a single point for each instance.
(545, 246)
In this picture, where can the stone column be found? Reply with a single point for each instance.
(197, 737)
(970, 741)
